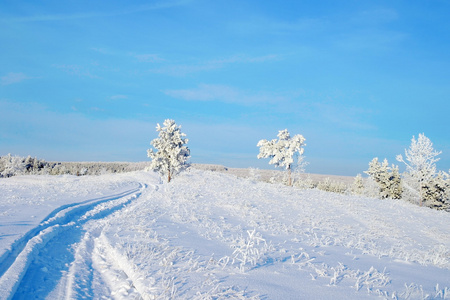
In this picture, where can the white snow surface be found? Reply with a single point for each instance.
(209, 235)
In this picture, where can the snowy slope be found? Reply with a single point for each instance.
(208, 235)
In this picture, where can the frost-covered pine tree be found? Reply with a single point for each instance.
(437, 192)
(387, 178)
(171, 154)
(284, 151)
(421, 178)
(358, 185)
(395, 187)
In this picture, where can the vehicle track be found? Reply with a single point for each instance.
(38, 263)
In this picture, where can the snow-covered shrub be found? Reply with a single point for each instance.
(329, 185)
(283, 151)
(279, 177)
(304, 183)
(254, 174)
(423, 184)
(11, 165)
(250, 250)
(358, 187)
(171, 155)
(371, 188)
(387, 178)
(17, 165)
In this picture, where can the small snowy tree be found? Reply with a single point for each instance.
(283, 151)
(421, 180)
(437, 192)
(171, 155)
(387, 178)
(358, 185)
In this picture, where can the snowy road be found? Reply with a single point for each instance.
(44, 262)
(212, 236)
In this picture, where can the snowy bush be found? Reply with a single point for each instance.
(305, 183)
(279, 177)
(358, 185)
(283, 151)
(250, 250)
(17, 165)
(329, 185)
(387, 178)
(423, 184)
(171, 155)
(254, 174)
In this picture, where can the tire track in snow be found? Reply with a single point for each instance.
(94, 271)
(35, 263)
(58, 216)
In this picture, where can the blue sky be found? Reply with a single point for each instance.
(89, 80)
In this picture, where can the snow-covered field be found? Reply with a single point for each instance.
(209, 235)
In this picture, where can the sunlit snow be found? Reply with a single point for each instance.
(208, 235)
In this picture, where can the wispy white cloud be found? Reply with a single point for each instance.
(96, 109)
(358, 30)
(369, 39)
(367, 31)
(98, 14)
(223, 93)
(206, 92)
(306, 24)
(76, 70)
(375, 16)
(140, 57)
(173, 68)
(334, 109)
(184, 69)
(245, 59)
(103, 50)
(12, 78)
(342, 116)
(330, 23)
(148, 57)
(264, 25)
(119, 97)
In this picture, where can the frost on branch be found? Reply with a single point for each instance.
(422, 182)
(284, 151)
(171, 154)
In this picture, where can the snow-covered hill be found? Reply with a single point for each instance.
(210, 235)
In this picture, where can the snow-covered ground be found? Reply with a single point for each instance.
(209, 235)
